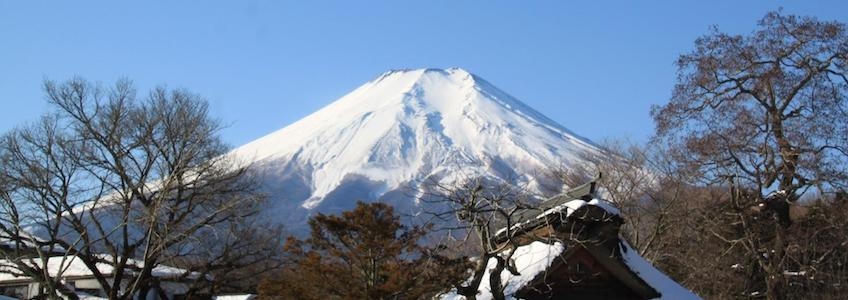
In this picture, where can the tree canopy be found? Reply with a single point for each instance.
(108, 177)
(768, 109)
(762, 119)
(365, 253)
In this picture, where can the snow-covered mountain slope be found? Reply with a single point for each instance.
(385, 140)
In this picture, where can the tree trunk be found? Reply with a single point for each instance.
(775, 283)
(144, 285)
(495, 279)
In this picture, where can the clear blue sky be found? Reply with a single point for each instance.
(595, 67)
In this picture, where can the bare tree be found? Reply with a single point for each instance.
(817, 252)
(643, 182)
(234, 256)
(110, 179)
(759, 113)
(475, 209)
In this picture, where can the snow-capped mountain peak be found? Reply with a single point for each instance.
(402, 128)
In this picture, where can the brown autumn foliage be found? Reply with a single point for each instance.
(703, 236)
(365, 253)
(709, 251)
(754, 114)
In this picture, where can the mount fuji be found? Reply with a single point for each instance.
(387, 139)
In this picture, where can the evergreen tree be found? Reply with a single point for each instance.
(365, 253)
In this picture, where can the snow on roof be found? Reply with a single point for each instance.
(25, 239)
(536, 257)
(71, 266)
(567, 209)
(235, 297)
(530, 260)
(606, 205)
(668, 288)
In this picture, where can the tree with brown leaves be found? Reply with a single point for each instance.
(759, 113)
(365, 253)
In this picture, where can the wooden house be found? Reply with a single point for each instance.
(569, 247)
